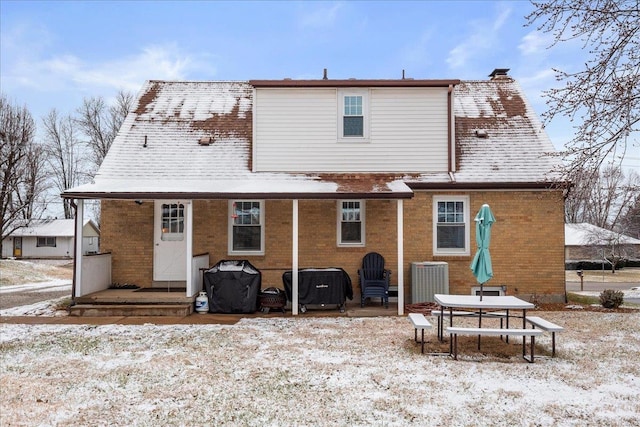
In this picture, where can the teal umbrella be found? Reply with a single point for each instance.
(481, 264)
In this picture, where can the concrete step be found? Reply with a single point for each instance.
(104, 310)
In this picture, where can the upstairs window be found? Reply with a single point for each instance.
(353, 120)
(451, 225)
(46, 242)
(246, 234)
(351, 223)
(353, 110)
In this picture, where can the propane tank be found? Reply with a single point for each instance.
(202, 303)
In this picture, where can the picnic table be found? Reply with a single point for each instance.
(488, 306)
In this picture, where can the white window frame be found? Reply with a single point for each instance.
(166, 234)
(364, 93)
(339, 206)
(466, 251)
(231, 225)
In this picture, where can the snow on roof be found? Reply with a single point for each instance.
(195, 139)
(583, 234)
(499, 137)
(50, 228)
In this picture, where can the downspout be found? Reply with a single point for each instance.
(449, 133)
(75, 258)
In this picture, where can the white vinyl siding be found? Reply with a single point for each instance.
(297, 129)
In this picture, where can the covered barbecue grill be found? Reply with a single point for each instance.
(232, 287)
(319, 286)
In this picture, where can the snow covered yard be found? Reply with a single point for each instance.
(314, 371)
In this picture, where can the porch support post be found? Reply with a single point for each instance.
(78, 247)
(400, 240)
(189, 250)
(294, 259)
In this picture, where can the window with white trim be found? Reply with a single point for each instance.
(46, 242)
(246, 227)
(351, 223)
(451, 225)
(353, 112)
(172, 222)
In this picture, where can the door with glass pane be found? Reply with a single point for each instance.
(17, 247)
(170, 243)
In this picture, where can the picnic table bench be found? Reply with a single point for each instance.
(419, 322)
(543, 324)
(455, 331)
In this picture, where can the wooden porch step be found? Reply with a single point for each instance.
(104, 310)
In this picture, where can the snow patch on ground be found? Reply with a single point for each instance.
(313, 371)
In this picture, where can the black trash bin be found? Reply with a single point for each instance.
(232, 287)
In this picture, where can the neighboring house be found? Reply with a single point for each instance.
(50, 238)
(584, 241)
(316, 173)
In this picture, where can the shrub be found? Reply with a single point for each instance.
(611, 299)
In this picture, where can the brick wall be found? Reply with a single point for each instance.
(527, 245)
(126, 230)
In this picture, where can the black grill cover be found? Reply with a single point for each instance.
(320, 286)
(232, 287)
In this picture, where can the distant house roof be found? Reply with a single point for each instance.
(51, 228)
(193, 140)
(585, 234)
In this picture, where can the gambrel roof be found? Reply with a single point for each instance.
(193, 140)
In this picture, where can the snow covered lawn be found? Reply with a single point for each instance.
(314, 371)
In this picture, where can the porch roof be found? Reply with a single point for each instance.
(257, 185)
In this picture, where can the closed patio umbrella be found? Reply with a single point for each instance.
(481, 264)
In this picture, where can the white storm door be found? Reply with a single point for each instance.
(170, 241)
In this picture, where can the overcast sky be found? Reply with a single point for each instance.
(55, 53)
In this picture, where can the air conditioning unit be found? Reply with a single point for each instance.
(496, 291)
(428, 279)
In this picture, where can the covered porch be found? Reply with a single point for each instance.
(93, 283)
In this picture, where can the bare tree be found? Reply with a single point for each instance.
(21, 169)
(64, 154)
(604, 97)
(630, 219)
(577, 202)
(608, 246)
(101, 123)
(602, 200)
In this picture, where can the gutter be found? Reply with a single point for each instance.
(353, 83)
(225, 196)
(483, 185)
(450, 158)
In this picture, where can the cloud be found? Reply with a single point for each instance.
(483, 36)
(320, 17)
(536, 83)
(534, 43)
(162, 62)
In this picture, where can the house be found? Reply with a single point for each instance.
(50, 238)
(584, 241)
(316, 173)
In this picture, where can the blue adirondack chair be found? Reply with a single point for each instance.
(374, 279)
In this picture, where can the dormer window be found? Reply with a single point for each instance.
(353, 115)
(353, 120)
